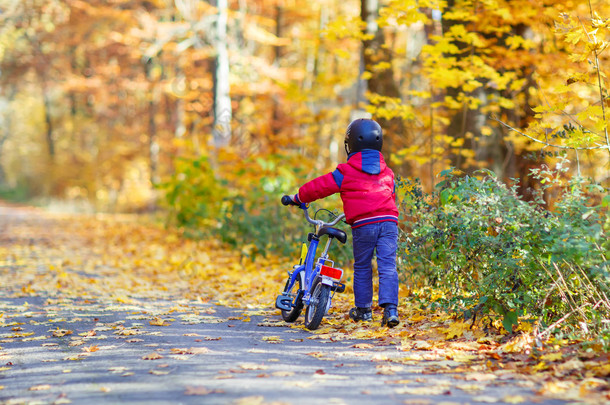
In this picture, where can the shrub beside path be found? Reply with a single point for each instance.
(109, 310)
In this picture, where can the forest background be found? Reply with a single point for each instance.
(211, 110)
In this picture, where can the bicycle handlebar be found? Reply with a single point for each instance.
(287, 200)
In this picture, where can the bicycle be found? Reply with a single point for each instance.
(312, 283)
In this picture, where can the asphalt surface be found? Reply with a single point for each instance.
(207, 354)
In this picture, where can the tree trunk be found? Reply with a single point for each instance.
(222, 100)
(381, 82)
(153, 144)
(48, 121)
(276, 124)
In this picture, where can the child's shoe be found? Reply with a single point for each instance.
(361, 314)
(390, 317)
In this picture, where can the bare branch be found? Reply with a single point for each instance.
(546, 143)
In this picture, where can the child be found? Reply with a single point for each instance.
(366, 185)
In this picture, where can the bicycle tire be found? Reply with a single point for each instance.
(293, 314)
(319, 304)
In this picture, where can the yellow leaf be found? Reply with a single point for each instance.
(540, 366)
(363, 346)
(551, 357)
(61, 332)
(156, 321)
(251, 400)
(417, 318)
(486, 131)
(457, 329)
(42, 387)
(514, 399)
(272, 339)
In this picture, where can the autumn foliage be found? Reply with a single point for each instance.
(209, 111)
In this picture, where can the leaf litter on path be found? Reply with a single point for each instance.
(124, 265)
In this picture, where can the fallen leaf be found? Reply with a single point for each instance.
(77, 357)
(480, 377)
(363, 346)
(201, 391)
(90, 349)
(152, 356)
(457, 329)
(61, 332)
(62, 400)
(158, 372)
(571, 365)
(486, 399)
(428, 390)
(253, 366)
(41, 387)
(385, 369)
(514, 399)
(272, 339)
(156, 321)
(192, 350)
(303, 384)
(252, 400)
(470, 387)
(128, 332)
(552, 357)
(282, 373)
(198, 350)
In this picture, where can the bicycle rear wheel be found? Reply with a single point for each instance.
(296, 290)
(318, 305)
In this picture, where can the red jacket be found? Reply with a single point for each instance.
(366, 185)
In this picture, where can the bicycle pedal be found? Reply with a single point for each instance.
(338, 287)
(283, 302)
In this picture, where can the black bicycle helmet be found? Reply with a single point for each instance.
(362, 134)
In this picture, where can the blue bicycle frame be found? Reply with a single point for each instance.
(310, 276)
(311, 269)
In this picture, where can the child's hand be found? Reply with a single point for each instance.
(294, 200)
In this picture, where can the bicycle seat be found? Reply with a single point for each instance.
(333, 233)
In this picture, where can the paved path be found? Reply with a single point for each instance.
(57, 350)
(220, 356)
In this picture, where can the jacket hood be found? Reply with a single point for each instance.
(369, 161)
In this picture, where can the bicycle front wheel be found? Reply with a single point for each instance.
(318, 305)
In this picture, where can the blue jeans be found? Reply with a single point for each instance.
(381, 237)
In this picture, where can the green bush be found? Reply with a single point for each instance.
(250, 219)
(193, 195)
(494, 254)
